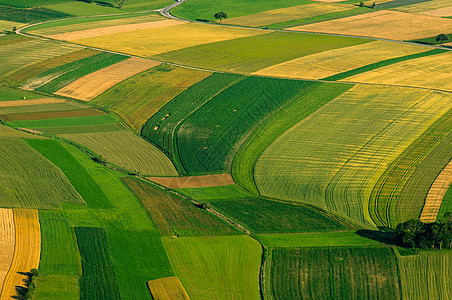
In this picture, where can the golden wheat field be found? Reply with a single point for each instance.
(436, 194)
(324, 64)
(194, 181)
(168, 288)
(433, 72)
(90, 86)
(288, 14)
(15, 103)
(425, 6)
(160, 40)
(27, 251)
(7, 242)
(384, 24)
(440, 12)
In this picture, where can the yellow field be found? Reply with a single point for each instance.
(95, 32)
(288, 14)
(7, 242)
(90, 86)
(440, 12)
(169, 288)
(16, 103)
(324, 64)
(384, 24)
(436, 194)
(159, 40)
(27, 251)
(194, 181)
(433, 71)
(8, 25)
(425, 6)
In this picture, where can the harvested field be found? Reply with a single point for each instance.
(27, 251)
(420, 72)
(328, 63)
(436, 195)
(384, 24)
(90, 86)
(168, 288)
(440, 12)
(160, 40)
(126, 150)
(175, 216)
(96, 32)
(52, 115)
(425, 6)
(7, 242)
(288, 14)
(16, 103)
(194, 181)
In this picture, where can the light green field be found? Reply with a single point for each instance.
(66, 122)
(8, 25)
(10, 94)
(334, 158)
(216, 267)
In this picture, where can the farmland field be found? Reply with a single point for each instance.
(446, 204)
(66, 122)
(194, 181)
(425, 7)
(216, 267)
(169, 288)
(7, 242)
(30, 15)
(52, 114)
(215, 192)
(29, 3)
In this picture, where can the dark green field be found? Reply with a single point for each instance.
(34, 15)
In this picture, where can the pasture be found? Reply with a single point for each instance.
(216, 267)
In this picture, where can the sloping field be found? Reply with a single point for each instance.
(8, 132)
(232, 191)
(328, 63)
(333, 273)
(140, 97)
(436, 195)
(287, 14)
(8, 25)
(420, 72)
(440, 12)
(7, 242)
(173, 215)
(27, 251)
(10, 94)
(384, 24)
(160, 40)
(216, 267)
(31, 181)
(66, 122)
(425, 6)
(126, 150)
(52, 114)
(90, 86)
(16, 103)
(41, 108)
(194, 181)
(446, 205)
(168, 288)
(426, 276)
(334, 158)
(109, 30)
(254, 53)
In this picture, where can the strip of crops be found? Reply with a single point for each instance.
(83, 129)
(400, 192)
(312, 96)
(140, 97)
(446, 205)
(161, 128)
(74, 171)
(85, 67)
(222, 124)
(333, 273)
(265, 216)
(98, 279)
(334, 158)
(52, 114)
(173, 215)
(33, 15)
(63, 122)
(232, 191)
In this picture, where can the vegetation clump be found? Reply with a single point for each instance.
(416, 234)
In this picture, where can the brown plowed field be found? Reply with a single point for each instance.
(194, 181)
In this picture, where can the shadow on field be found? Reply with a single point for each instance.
(21, 290)
(384, 237)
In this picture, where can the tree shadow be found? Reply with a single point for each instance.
(101, 3)
(22, 290)
(381, 236)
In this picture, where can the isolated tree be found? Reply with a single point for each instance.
(120, 3)
(441, 38)
(361, 4)
(220, 15)
(374, 5)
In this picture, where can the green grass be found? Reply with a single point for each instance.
(446, 204)
(250, 54)
(311, 97)
(265, 216)
(382, 63)
(215, 192)
(84, 67)
(31, 181)
(98, 279)
(29, 3)
(83, 129)
(64, 122)
(74, 171)
(217, 267)
(224, 122)
(10, 94)
(57, 287)
(333, 273)
(174, 215)
(168, 119)
(426, 276)
(41, 108)
(317, 239)
(34, 15)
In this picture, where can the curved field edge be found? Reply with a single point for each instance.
(7, 243)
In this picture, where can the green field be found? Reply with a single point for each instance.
(216, 267)
(29, 3)
(173, 215)
(34, 15)
(265, 216)
(333, 273)
(446, 205)
(215, 192)
(250, 54)
(10, 94)
(66, 122)
(53, 107)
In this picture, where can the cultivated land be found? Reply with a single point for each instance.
(194, 181)
(426, 7)
(7, 242)
(168, 288)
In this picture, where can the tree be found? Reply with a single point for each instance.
(361, 4)
(373, 5)
(220, 15)
(441, 38)
(120, 3)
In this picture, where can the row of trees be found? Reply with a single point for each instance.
(416, 234)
